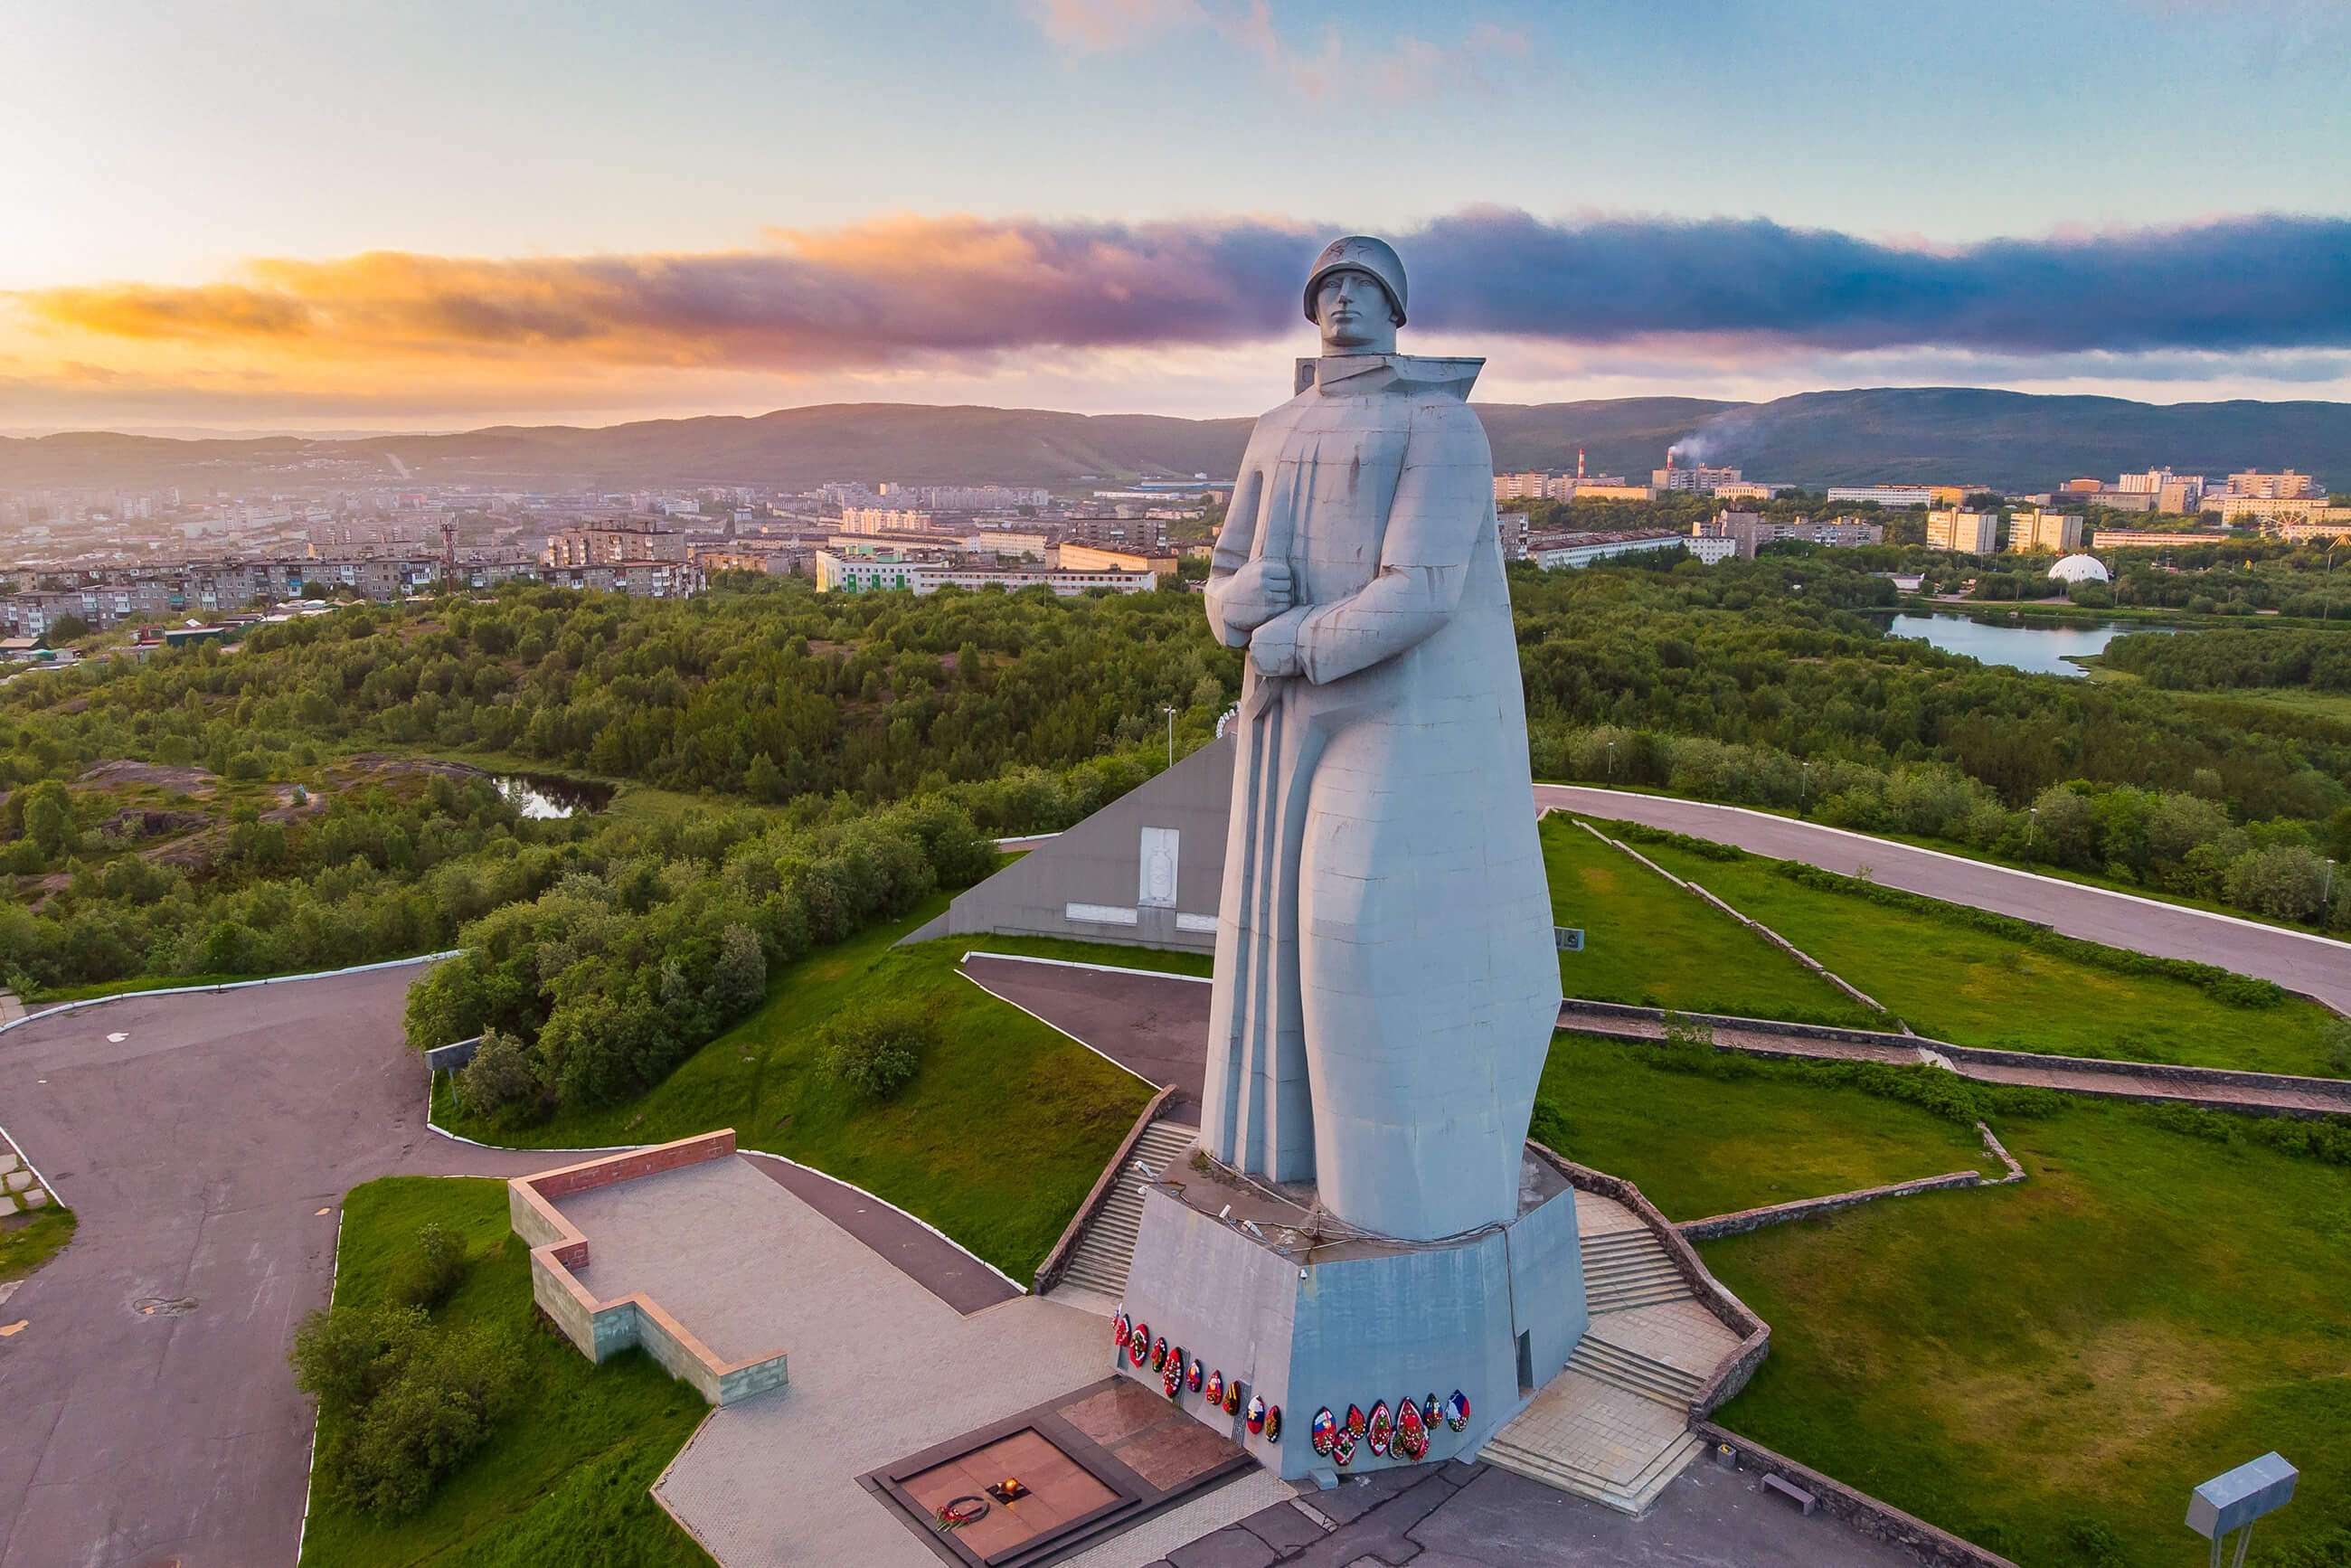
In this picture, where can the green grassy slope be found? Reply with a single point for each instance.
(1700, 1146)
(1648, 943)
(2038, 1365)
(563, 1479)
(1954, 982)
(996, 1142)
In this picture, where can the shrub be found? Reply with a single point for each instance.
(428, 1275)
(400, 1401)
(505, 1077)
(876, 1052)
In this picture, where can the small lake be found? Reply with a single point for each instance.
(2040, 646)
(543, 795)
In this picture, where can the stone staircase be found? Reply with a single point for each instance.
(1628, 1268)
(1612, 1427)
(1628, 1487)
(1098, 1265)
(1634, 1373)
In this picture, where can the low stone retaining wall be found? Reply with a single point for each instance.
(1049, 1273)
(2186, 1077)
(602, 1329)
(1906, 1043)
(1857, 1510)
(1747, 1220)
(1730, 1374)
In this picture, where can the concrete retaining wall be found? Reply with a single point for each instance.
(450, 1057)
(602, 1329)
(1857, 1510)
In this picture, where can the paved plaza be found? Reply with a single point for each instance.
(881, 1367)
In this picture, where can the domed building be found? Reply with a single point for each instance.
(2079, 569)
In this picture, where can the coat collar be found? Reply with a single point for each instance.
(1363, 375)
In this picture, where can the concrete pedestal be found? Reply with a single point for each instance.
(1305, 1321)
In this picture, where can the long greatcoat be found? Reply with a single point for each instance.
(1385, 979)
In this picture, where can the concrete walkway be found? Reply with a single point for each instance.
(906, 1244)
(2315, 965)
(1159, 1031)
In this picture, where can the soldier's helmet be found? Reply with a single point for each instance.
(1362, 254)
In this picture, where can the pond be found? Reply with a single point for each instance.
(2040, 646)
(544, 795)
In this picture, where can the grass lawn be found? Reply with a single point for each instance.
(29, 1240)
(564, 1479)
(1698, 1145)
(996, 1142)
(1953, 847)
(1648, 943)
(1951, 981)
(2045, 1367)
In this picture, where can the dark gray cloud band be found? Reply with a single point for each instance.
(908, 288)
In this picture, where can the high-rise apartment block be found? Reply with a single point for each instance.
(2060, 533)
(1967, 533)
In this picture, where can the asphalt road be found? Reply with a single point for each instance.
(1155, 1026)
(2314, 965)
(147, 1414)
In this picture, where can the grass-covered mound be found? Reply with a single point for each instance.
(562, 1477)
(2049, 1368)
(996, 1140)
(1650, 944)
(1711, 1136)
(1959, 975)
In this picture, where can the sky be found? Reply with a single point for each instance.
(333, 213)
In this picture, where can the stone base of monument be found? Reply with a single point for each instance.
(1309, 1315)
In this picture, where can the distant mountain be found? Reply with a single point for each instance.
(1951, 434)
(2016, 441)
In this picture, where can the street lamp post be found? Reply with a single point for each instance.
(1611, 759)
(2032, 828)
(1171, 733)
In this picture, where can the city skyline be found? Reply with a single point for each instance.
(419, 219)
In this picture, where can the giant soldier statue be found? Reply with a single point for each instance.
(1385, 978)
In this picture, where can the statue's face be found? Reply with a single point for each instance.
(1352, 310)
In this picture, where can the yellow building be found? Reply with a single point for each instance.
(2058, 533)
(1969, 533)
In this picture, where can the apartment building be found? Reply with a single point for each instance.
(1967, 533)
(2058, 533)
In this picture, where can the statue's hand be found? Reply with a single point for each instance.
(1257, 592)
(1273, 647)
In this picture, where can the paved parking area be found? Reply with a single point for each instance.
(205, 1142)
